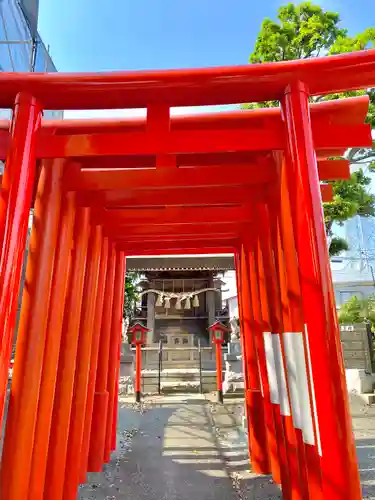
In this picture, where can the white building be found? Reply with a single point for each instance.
(351, 278)
(354, 272)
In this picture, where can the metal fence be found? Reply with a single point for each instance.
(175, 368)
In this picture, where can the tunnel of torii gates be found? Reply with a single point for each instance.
(247, 182)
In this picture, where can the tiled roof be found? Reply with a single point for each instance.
(186, 263)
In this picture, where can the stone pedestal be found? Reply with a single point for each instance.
(126, 369)
(233, 375)
(359, 382)
(126, 355)
(234, 350)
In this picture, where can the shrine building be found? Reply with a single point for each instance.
(180, 296)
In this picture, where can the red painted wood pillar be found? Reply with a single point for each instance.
(340, 475)
(61, 274)
(23, 404)
(115, 413)
(239, 284)
(94, 357)
(269, 309)
(115, 340)
(273, 339)
(275, 432)
(58, 443)
(15, 202)
(254, 398)
(101, 397)
(138, 372)
(219, 372)
(78, 413)
(237, 263)
(115, 410)
(294, 343)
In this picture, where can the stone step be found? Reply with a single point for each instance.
(181, 366)
(182, 386)
(189, 374)
(174, 380)
(177, 371)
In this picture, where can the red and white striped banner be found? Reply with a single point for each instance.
(297, 379)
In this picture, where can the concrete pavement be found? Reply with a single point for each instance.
(364, 431)
(179, 448)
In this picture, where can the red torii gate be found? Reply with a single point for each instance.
(246, 182)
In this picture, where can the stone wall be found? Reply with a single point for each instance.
(357, 346)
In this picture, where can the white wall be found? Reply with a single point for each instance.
(349, 278)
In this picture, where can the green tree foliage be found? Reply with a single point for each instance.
(358, 310)
(351, 197)
(304, 31)
(337, 245)
(352, 311)
(131, 294)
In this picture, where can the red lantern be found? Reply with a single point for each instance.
(138, 335)
(218, 330)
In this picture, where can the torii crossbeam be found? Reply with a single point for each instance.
(247, 182)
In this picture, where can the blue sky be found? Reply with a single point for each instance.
(160, 34)
(108, 35)
(98, 35)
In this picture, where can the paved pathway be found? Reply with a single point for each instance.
(187, 448)
(364, 431)
(177, 448)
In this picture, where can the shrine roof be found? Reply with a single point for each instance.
(181, 263)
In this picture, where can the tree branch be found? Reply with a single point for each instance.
(365, 156)
(358, 162)
(369, 153)
(319, 98)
